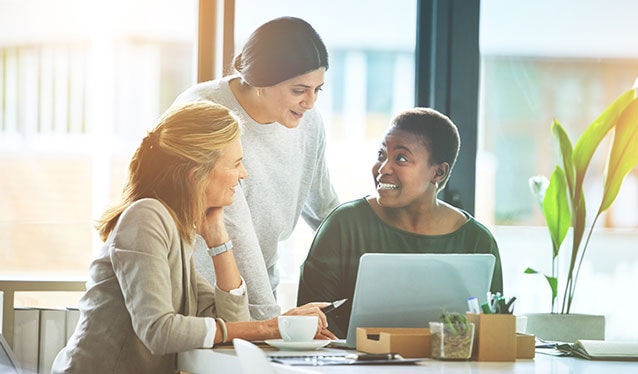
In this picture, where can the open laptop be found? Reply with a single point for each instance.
(410, 290)
(8, 361)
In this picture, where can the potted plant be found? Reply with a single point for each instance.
(451, 338)
(562, 198)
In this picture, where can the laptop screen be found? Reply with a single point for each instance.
(410, 290)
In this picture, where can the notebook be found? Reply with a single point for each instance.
(8, 362)
(602, 349)
(410, 290)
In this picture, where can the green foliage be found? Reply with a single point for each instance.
(562, 199)
(455, 323)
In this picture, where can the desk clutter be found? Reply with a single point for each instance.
(500, 344)
(488, 336)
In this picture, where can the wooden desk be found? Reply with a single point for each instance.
(223, 360)
(10, 286)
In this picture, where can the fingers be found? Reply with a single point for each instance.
(312, 309)
(326, 334)
(317, 304)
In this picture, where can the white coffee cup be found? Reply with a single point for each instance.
(298, 328)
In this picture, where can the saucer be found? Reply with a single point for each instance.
(297, 346)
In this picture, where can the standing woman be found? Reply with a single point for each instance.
(280, 72)
(144, 301)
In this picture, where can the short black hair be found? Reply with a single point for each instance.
(439, 134)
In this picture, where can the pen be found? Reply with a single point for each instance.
(376, 356)
(510, 305)
(333, 305)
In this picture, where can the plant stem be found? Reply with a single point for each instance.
(580, 262)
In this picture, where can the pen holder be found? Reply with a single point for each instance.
(448, 343)
(495, 337)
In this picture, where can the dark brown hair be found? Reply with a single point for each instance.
(280, 49)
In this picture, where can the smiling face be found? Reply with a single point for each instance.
(403, 172)
(287, 101)
(225, 175)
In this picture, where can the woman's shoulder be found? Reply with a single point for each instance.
(146, 210)
(474, 227)
(214, 90)
(144, 218)
(356, 207)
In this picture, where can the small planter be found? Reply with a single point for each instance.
(447, 343)
(566, 327)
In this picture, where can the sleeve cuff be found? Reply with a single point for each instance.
(211, 330)
(239, 291)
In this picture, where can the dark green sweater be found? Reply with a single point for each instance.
(330, 271)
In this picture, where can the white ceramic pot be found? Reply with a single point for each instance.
(566, 327)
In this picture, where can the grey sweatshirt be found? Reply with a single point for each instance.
(287, 178)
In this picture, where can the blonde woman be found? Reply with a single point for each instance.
(144, 301)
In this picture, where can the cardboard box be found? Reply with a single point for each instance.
(494, 337)
(408, 342)
(525, 346)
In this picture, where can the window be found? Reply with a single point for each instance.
(80, 83)
(542, 60)
(568, 63)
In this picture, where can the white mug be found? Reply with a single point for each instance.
(298, 328)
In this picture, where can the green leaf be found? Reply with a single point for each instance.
(553, 281)
(594, 134)
(556, 208)
(553, 284)
(531, 271)
(623, 156)
(566, 154)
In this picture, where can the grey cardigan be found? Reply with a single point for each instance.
(144, 300)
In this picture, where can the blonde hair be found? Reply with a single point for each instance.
(173, 162)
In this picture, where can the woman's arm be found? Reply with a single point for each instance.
(214, 233)
(268, 329)
(146, 258)
(250, 259)
(322, 197)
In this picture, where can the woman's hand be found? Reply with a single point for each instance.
(213, 230)
(314, 309)
(212, 227)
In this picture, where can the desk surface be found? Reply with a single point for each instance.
(224, 360)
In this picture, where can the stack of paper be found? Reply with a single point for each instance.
(606, 350)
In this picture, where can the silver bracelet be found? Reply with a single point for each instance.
(222, 325)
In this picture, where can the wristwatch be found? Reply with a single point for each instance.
(214, 251)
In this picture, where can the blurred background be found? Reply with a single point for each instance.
(82, 80)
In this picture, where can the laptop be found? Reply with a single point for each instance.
(410, 290)
(8, 361)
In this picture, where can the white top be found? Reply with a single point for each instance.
(287, 178)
